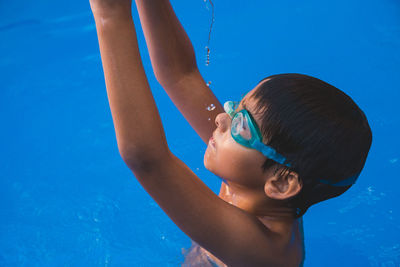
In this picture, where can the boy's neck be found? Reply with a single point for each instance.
(255, 202)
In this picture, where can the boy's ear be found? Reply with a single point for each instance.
(283, 186)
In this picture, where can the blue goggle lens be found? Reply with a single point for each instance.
(240, 126)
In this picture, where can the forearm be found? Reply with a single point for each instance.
(171, 51)
(136, 120)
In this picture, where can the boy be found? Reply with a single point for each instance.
(282, 148)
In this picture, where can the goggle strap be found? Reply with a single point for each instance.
(346, 182)
(270, 153)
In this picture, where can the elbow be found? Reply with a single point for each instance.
(143, 160)
(170, 79)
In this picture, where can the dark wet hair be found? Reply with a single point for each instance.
(318, 128)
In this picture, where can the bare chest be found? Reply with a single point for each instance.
(197, 256)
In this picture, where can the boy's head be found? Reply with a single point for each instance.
(321, 132)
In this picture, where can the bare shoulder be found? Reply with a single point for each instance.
(289, 240)
(294, 244)
(287, 250)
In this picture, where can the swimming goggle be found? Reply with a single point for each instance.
(245, 131)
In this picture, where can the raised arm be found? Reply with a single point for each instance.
(174, 64)
(136, 120)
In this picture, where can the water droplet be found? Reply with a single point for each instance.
(393, 160)
(211, 107)
(209, 33)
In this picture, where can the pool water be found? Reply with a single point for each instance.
(68, 199)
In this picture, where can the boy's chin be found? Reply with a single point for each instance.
(206, 160)
(207, 164)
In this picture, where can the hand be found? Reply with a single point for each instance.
(110, 6)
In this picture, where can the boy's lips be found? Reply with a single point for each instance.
(212, 141)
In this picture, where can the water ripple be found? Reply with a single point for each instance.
(22, 23)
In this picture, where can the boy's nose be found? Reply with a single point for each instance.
(222, 121)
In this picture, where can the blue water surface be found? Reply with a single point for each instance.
(68, 199)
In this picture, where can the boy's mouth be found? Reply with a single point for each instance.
(212, 142)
